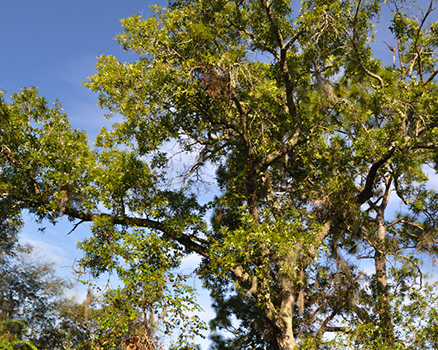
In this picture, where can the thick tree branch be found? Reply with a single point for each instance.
(185, 240)
(319, 239)
(431, 76)
(367, 191)
(283, 63)
(249, 284)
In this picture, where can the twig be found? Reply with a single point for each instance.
(75, 226)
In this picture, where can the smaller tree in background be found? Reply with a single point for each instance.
(29, 294)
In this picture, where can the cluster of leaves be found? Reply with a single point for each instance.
(153, 299)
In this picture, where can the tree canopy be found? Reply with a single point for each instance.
(311, 138)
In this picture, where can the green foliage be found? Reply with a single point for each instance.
(8, 341)
(42, 156)
(151, 295)
(311, 137)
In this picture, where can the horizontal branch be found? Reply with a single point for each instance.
(185, 240)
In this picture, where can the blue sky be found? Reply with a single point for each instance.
(53, 44)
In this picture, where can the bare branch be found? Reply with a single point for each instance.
(75, 226)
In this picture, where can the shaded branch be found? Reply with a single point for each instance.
(185, 240)
(367, 191)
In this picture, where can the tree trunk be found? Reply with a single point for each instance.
(286, 340)
(285, 335)
(383, 304)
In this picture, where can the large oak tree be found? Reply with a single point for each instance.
(311, 138)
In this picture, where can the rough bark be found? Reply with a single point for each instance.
(383, 303)
(285, 337)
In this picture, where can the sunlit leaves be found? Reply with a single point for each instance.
(43, 157)
(152, 297)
